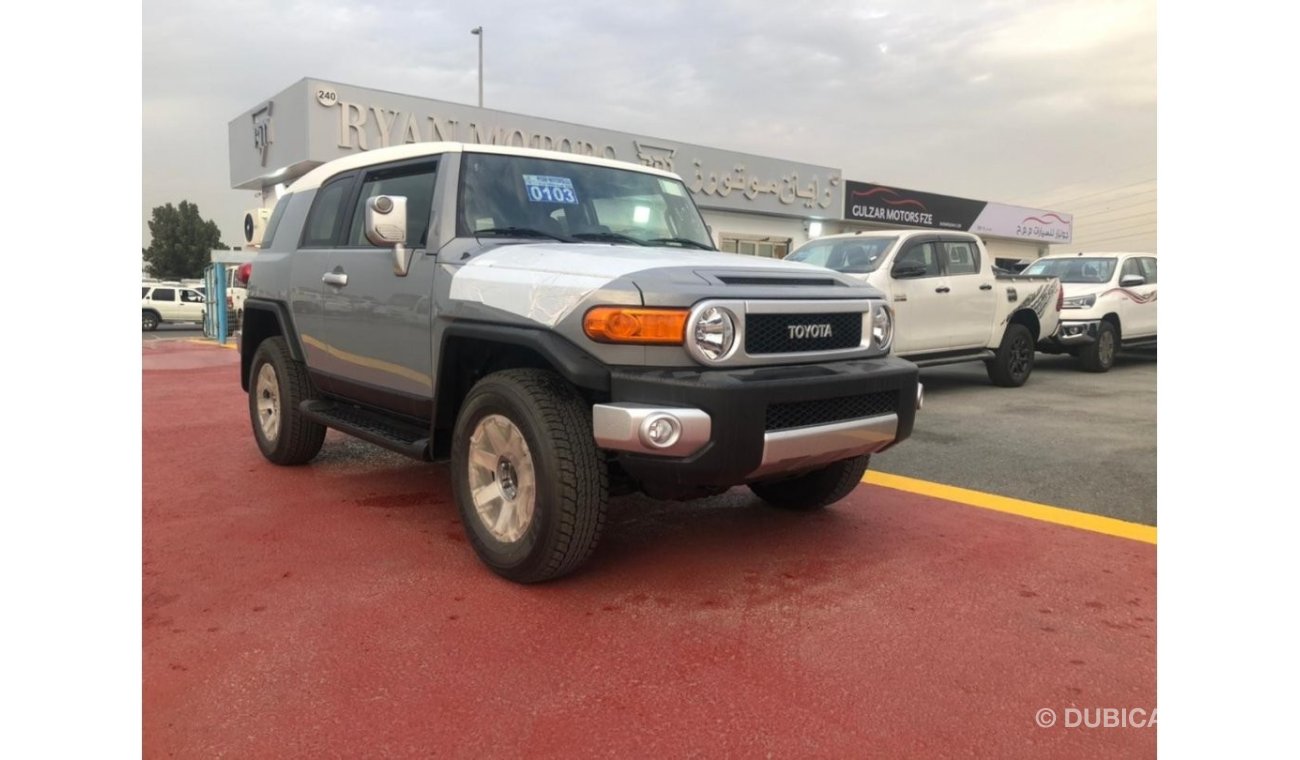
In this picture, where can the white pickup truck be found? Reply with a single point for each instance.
(1110, 301)
(950, 305)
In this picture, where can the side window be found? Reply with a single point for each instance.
(1148, 266)
(962, 257)
(189, 296)
(923, 254)
(163, 294)
(144, 292)
(323, 219)
(415, 183)
(273, 223)
(1130, 267)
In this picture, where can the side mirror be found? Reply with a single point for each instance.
(1131, 280)
(908, 271)
(386, 226)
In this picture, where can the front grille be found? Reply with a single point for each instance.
(795, 333)
(827, 410)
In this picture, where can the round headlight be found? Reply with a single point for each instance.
(882, 327)
(714, 334)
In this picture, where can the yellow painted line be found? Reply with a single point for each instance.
(1082, 520)
(205, 342)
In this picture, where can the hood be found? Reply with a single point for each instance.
(1073, 289)
(615, 261)
(545, 282)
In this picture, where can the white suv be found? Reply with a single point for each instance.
(165, 302)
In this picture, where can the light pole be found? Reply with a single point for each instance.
(478, 32)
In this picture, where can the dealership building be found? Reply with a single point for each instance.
(754, 205)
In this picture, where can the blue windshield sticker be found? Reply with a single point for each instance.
(544, 189)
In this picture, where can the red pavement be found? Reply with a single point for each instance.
(335, 610)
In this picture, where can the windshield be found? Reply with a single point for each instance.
(851, 255)
(538, 197)
(1075, 269)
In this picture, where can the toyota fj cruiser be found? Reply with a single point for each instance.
(560, 328)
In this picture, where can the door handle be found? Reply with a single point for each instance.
(986, 286)
(942, 290)
(335, 278)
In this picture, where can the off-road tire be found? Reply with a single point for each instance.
(572, 482)
(1014, 361)
(298, 439)
(150, 321)
(1099, 355)
(814, 490)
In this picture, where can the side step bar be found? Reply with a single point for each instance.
(953, 358)
(379, 429)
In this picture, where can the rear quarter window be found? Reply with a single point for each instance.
(274, 222)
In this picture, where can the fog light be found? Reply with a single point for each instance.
(660, 431)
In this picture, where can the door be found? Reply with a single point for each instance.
(163, 300)
(311, 261)
(920, 298)
(379, 325)
(971, 306)
(1142, 301)
(190, 306)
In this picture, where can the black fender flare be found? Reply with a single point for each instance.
(575, 365)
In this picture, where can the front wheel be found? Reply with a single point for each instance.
(528, 479)
(814, 490)
(1099, 356)
(1011, 366)
(150, 322)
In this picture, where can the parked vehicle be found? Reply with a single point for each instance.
(558, 326)
(952, 305)
(1110, 303)
(166, 303)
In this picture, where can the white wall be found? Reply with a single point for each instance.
(1013, 249)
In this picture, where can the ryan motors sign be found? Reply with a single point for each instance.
(320, 121)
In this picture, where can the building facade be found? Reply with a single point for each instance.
(754, 205)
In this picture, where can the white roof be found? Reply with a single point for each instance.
(892, 233)
(1095, 253)
(316, 177)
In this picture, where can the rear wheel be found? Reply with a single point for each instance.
(276, 386)
(1099, 356)
(1014, 361)
(528, 479)
(814, 490)
(150, 322)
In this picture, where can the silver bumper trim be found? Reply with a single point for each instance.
(813, 446)
(620, 427)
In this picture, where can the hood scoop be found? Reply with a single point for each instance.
(775, 279)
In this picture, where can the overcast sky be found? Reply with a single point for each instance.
(1050, 103)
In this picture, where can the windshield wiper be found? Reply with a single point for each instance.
(682, 241)
(608, 236)
(522, 232)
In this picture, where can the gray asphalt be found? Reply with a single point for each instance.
(1067, 438)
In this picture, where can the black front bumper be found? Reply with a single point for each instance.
(738, 400)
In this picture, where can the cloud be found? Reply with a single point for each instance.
(993, 100)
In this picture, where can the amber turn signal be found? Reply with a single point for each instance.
(620, 324)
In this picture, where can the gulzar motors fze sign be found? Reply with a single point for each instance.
(868, 202)
(343, 119)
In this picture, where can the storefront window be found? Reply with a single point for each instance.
(751, 245)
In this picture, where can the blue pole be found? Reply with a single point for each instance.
(220, 297)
